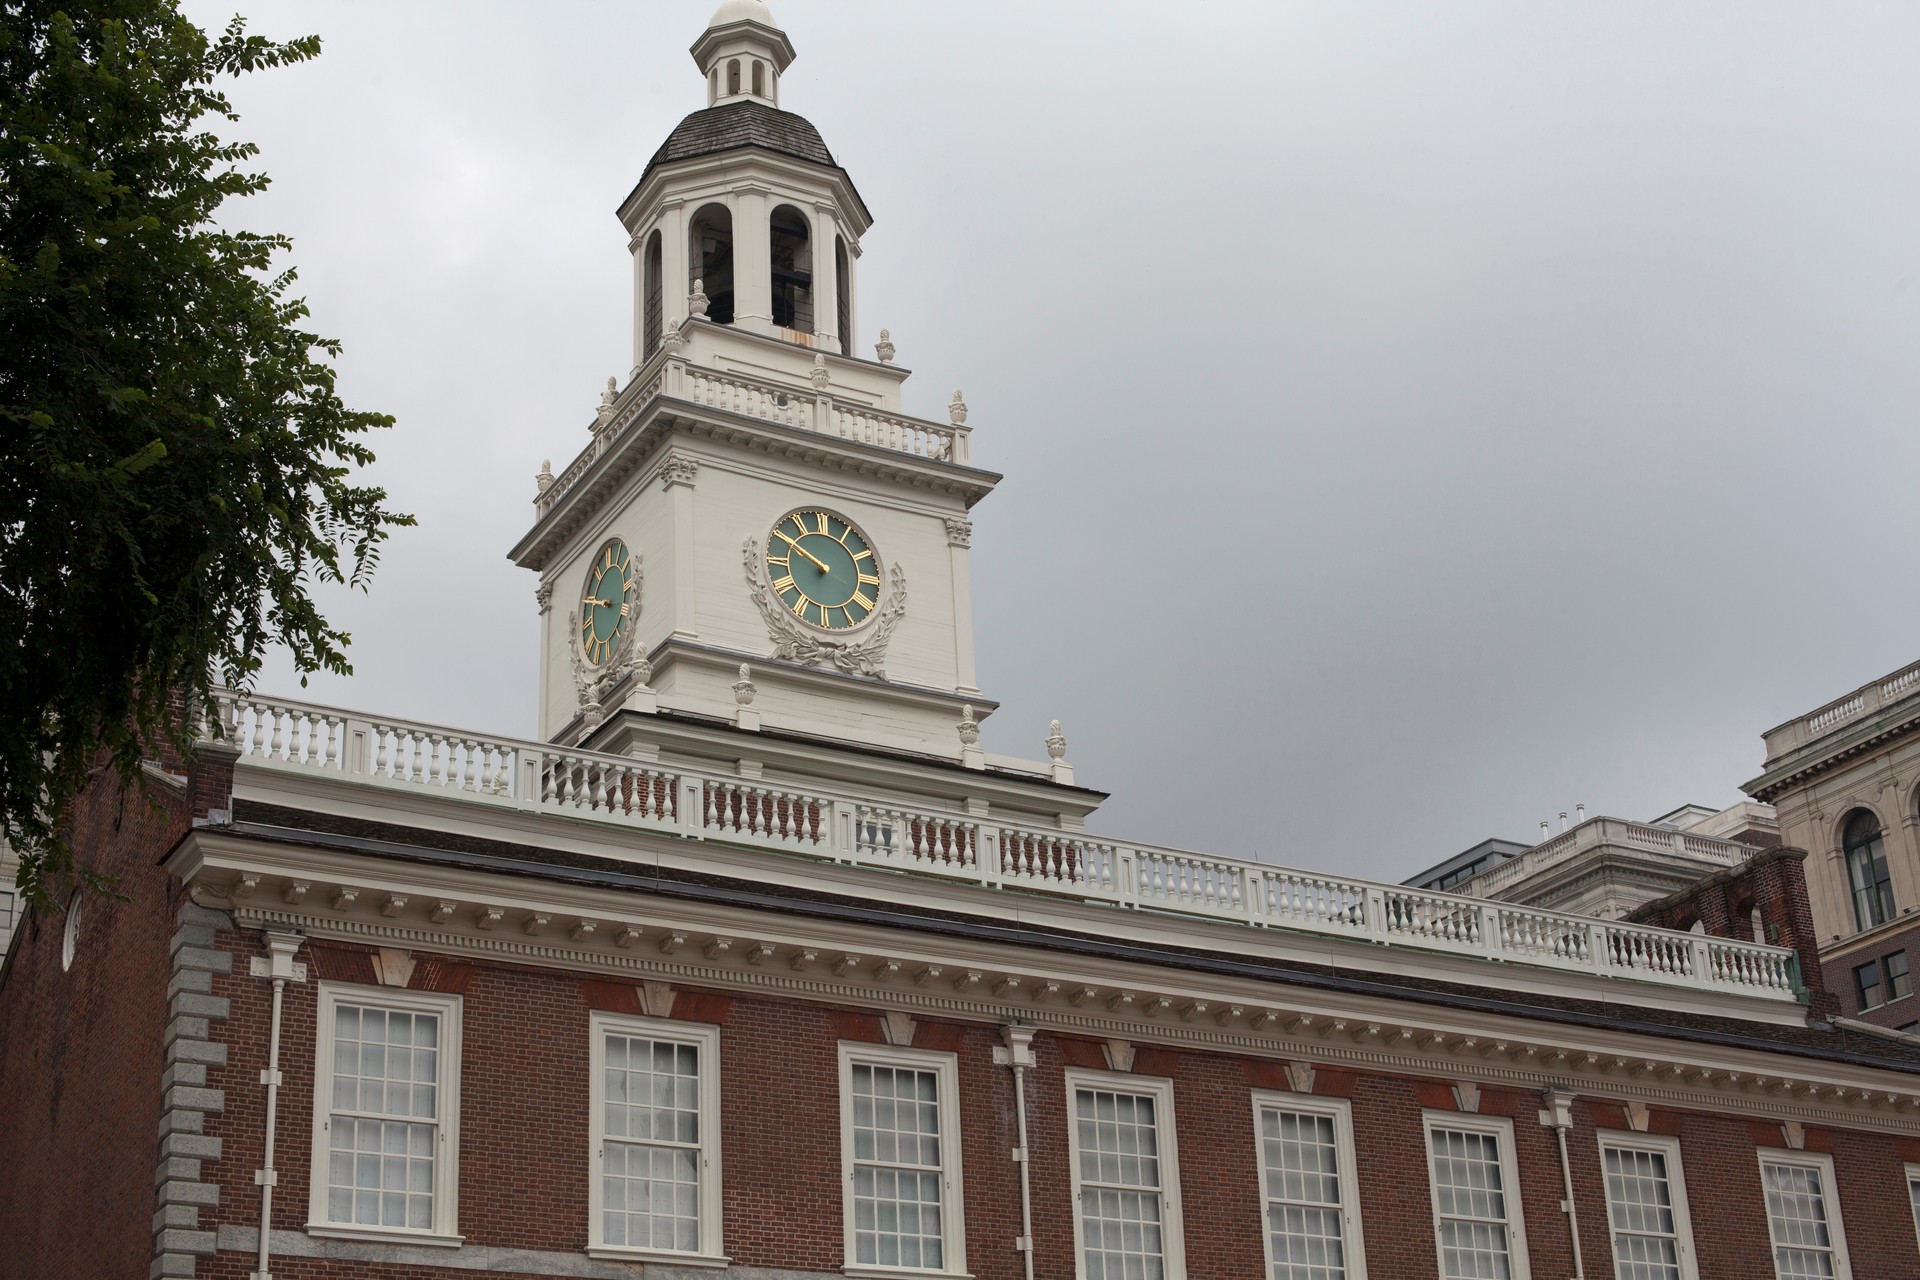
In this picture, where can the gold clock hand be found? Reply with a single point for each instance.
(593, 600)
(818, 562)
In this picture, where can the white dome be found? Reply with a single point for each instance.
(742, 11)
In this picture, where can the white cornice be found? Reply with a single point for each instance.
(482, 915)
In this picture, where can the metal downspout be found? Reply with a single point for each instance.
(1559, 1117)
(280, 966)
(1016, 1051)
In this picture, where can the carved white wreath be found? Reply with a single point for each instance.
(594, 683)
(862, 656)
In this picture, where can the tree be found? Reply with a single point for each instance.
(174, 462)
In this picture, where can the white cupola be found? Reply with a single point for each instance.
(742, 54)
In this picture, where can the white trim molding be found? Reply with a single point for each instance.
(1510, 1221)
(946, 1166)
(1663, 1165)
(440, 1110)
(1127, 1169)
(1290, 1185)
(1798, 1203)
(702, 1042)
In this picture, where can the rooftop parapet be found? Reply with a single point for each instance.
(991, 854)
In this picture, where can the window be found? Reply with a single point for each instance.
(900, 1158)
(791, 279)
(1867, 870)
(733, 77)
(1307, 1182)
(843, 295)
(1647, 1207)
(70, 936)
(1476, 1198)
(652, 298)
(1913, 1194)
(710, 259)
(1126, 1177)
(1866, 983)
(1809, 1242)
(386, 1144)
(1899, 984)
(759, 79)
(656, 1139)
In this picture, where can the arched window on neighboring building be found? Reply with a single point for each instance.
(1866, 856)
(792, 269)
(654, 295)
(759, 79)
(710, 260)
(733, 77)
(843, 294)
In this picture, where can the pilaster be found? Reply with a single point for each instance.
(181, 1190)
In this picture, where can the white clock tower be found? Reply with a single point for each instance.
(756, 540)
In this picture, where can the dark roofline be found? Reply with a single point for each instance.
(507, 859)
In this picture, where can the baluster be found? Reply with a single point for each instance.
(274, 753)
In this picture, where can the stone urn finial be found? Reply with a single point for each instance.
(819, 375)
(884, 347)
(957, 409)
(545, 477)
(743, 689)
(697, 300)
(1056, 743)
(969, 727)
(604, 414)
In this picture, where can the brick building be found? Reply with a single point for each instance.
(1845, 780)
(756, 965)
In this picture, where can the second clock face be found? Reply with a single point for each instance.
(607, 601)
(823, 569)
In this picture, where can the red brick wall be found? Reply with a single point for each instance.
(81, 1054)
(1839, 979)
(524, 1139)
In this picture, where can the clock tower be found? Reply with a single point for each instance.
(755, 537)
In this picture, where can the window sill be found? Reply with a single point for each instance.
(618, 1253)
(855, 1271)
(383, 1235)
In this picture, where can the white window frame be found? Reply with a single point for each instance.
(1667, 1149)
(1913, 1197)
(1160, 1089)
(446, 1161)
(1501, 1129)
(1353, 1239)
(1829, 1198)
(953, 1227)
(705, 1038)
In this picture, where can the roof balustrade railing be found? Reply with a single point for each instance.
(279, 735)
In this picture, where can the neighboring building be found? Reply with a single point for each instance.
(1608, 867)
(9, 898)
(1845, 779)
(756, 967)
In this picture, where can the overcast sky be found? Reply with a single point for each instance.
(1416, 418)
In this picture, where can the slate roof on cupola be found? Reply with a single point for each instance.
(735, 125)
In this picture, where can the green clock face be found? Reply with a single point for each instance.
(823, 569)
(607, 602)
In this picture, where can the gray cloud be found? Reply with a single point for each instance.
(1416, 418)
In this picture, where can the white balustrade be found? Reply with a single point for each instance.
(293, 737)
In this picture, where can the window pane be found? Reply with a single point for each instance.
(1119, 1185)
(1300, 1165)
(1866, 984)
(1646, 1244)
(1898, 982)
(650, 1166)
(1797, 1214)
(897, 1174)
(1469, 1192)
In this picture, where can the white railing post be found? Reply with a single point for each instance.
(1598, 948)
(1487, 920)
(992, 874)
(359, 742)
(693, 815)
(1375, 923)
(528, 780)
(1126, 885)
(1701, 957)
(839, 834)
